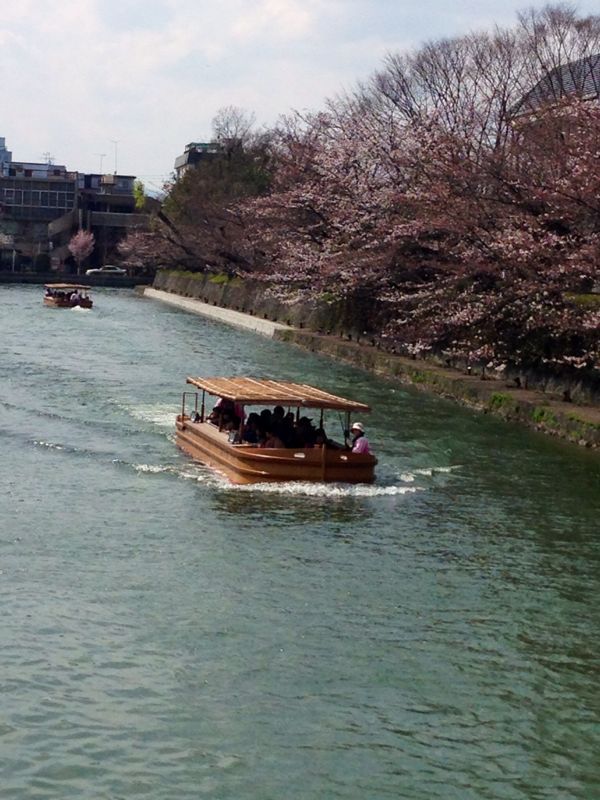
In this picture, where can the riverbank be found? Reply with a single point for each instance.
(542, 411)
(236, 318)
(539, 410)
(41, 278)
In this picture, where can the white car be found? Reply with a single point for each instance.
(107, 269)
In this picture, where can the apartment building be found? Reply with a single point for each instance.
(43, 204)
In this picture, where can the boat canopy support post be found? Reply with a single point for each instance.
(241, 425)
(202, 406)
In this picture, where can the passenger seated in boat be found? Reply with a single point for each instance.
(196, 417)
(265, 418)
(321, 439)
(229, 422)
(287, 431)
(283, 425)
(264, 423)
(225, 410)
(272, 440)
(220, 407)
(251, 433)
(305, 433)
(360, 443)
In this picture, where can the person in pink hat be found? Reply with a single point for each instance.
(360, 443)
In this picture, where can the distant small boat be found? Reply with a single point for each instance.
(67, 295)
(207, 440)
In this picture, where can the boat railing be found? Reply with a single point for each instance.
(195, 411)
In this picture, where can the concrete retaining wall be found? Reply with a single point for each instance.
(226, 315)
(348, 317)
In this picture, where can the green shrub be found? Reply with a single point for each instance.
(543, 416)
(500, 400)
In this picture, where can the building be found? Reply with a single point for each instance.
(31, 196)
(106, 207)
(193, 154)
(43, 204)
(5, 155)
(579, 79)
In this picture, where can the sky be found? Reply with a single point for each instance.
(124, 85)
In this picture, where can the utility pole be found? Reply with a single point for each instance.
(116, 143)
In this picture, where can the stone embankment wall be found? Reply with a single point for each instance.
(541, 411)
(227, 315)
(334, 329)
(335, 318)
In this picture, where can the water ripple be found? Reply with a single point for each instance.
(166, 634)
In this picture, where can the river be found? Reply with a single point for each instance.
(167, 635)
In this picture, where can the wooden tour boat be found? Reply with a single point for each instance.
(61, 295)
(211, 444)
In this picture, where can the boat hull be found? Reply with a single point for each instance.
(250, 464)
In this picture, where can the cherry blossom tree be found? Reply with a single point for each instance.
(474, 230)
(81, 246)
(466, 219)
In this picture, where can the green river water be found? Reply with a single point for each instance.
(168, 636)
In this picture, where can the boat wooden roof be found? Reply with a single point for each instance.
(255, 391)
(63, 286)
